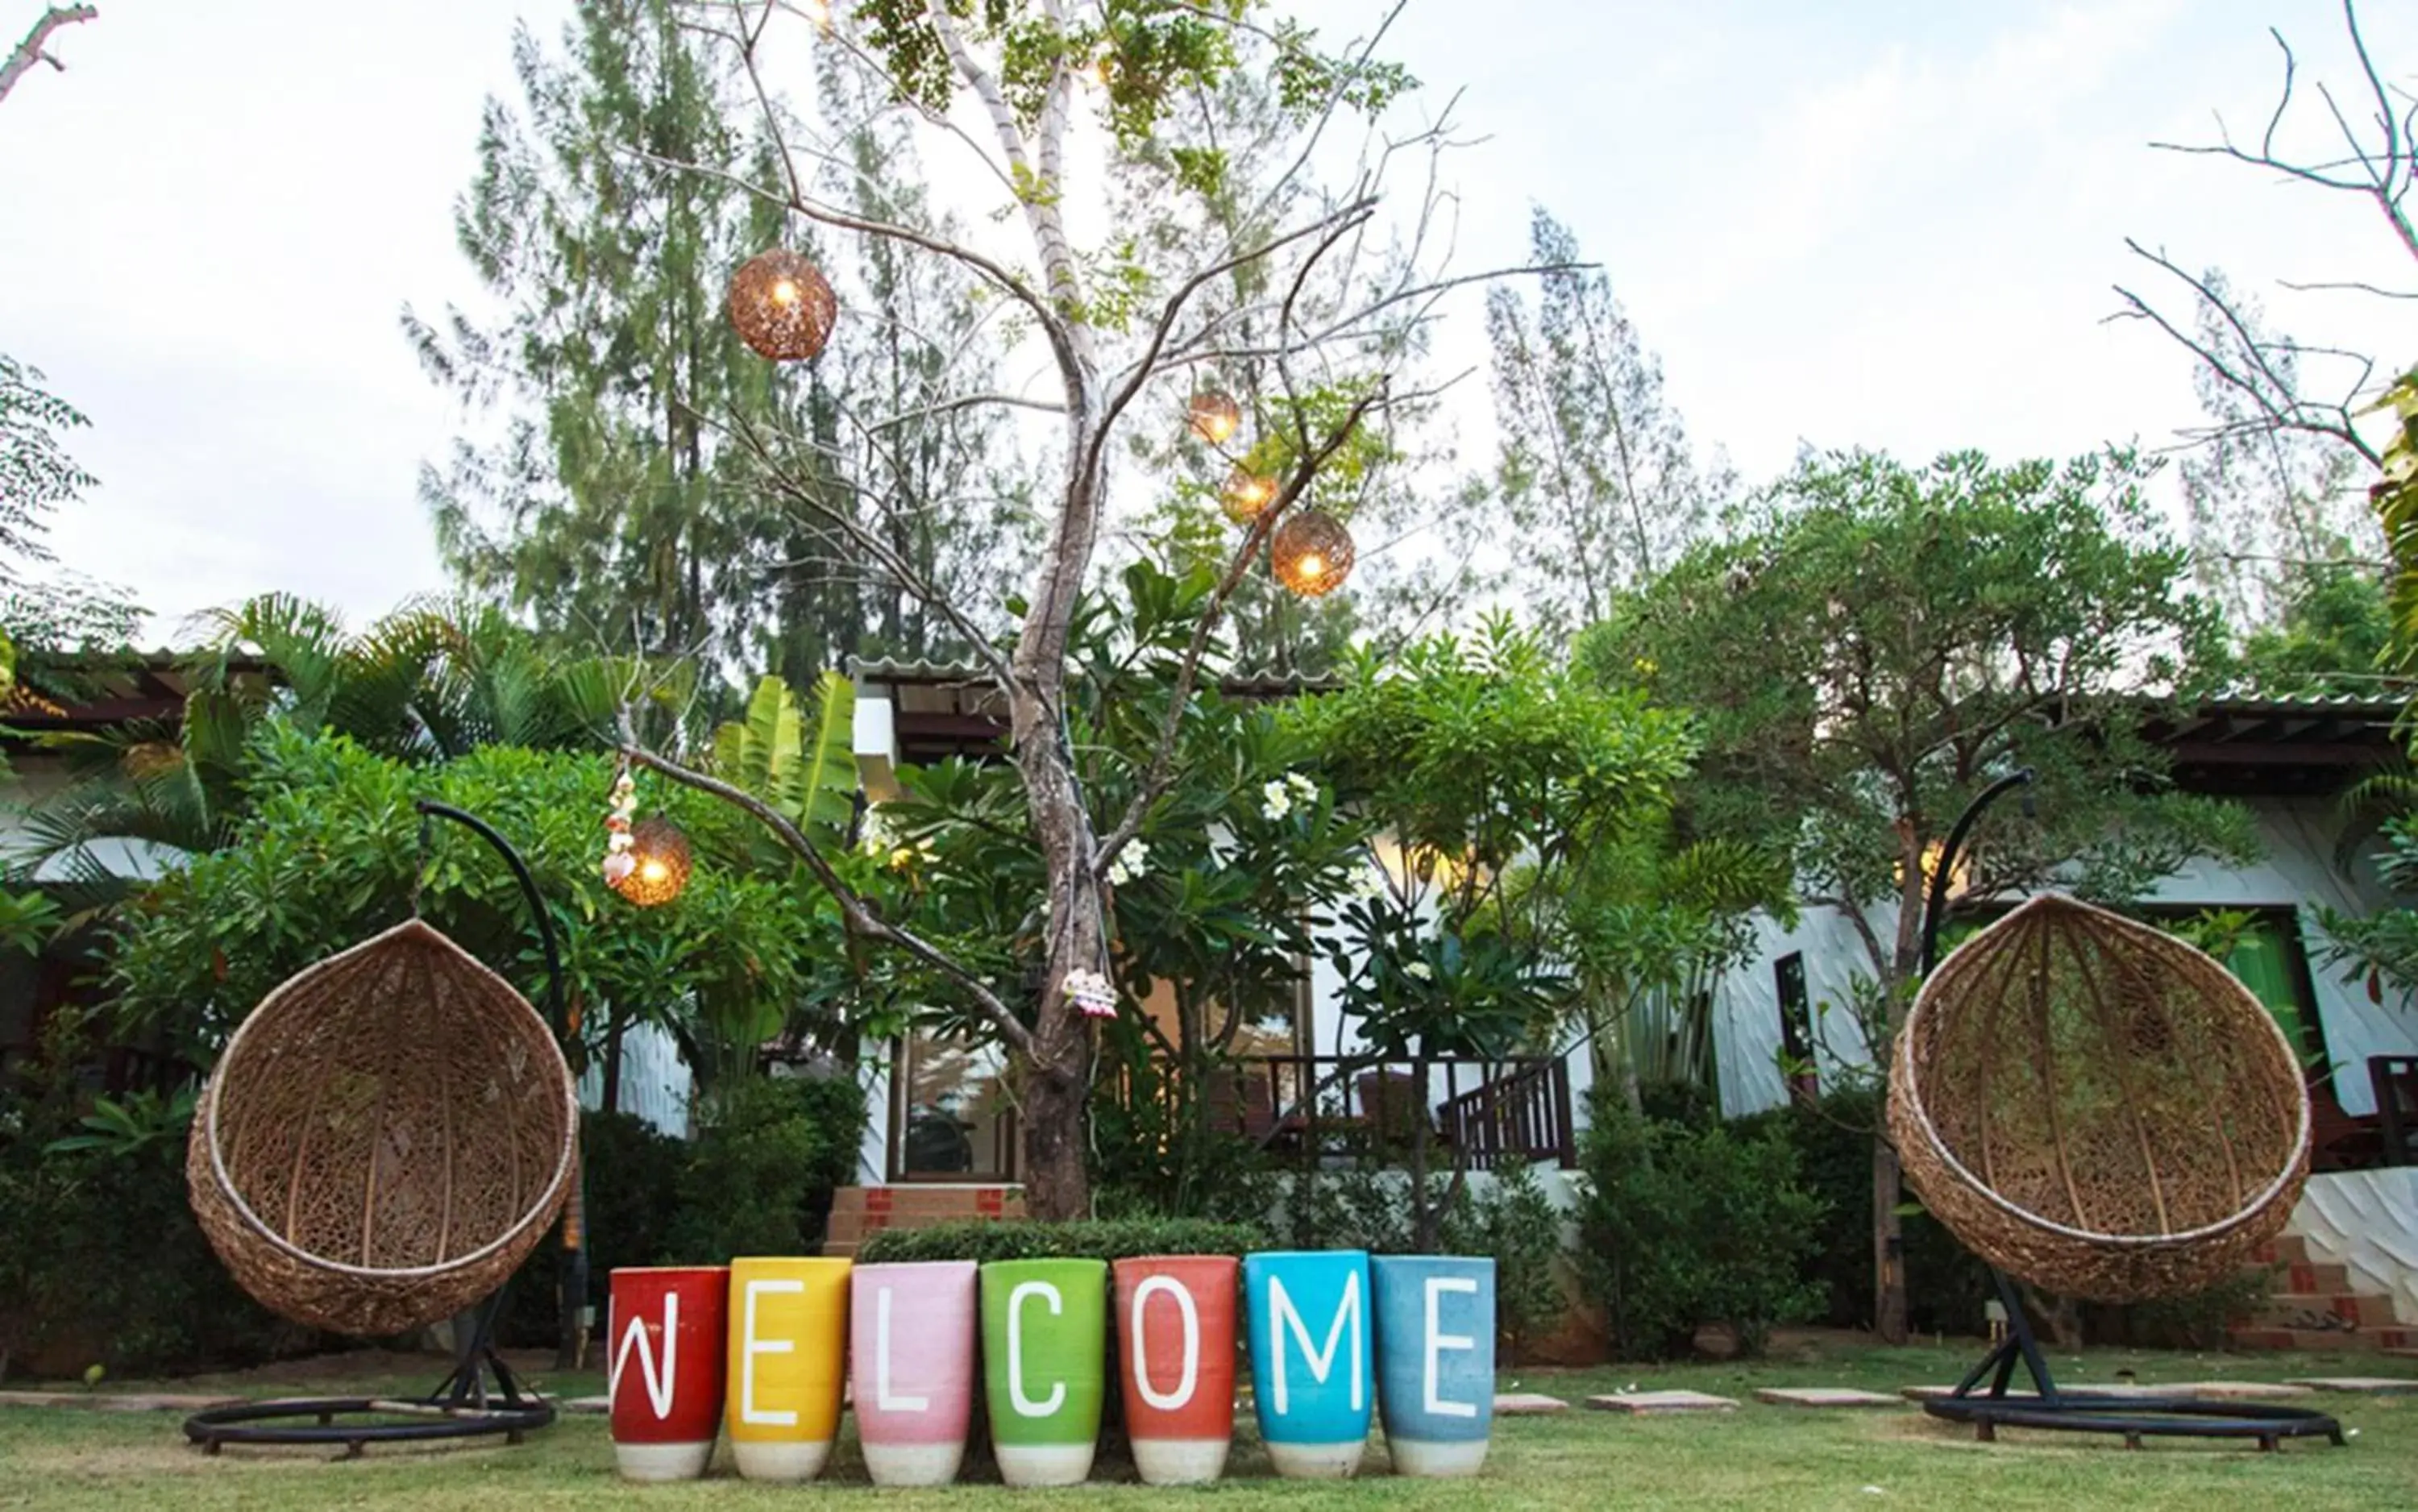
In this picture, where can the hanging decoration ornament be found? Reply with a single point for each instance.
(1247, 496)
(1092, 993)
(661, 857)
(1215, 417)
(1311, 554)
(618, 862)
(782, 306)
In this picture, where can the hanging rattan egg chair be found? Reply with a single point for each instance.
(2097, 1108)
(386, 1137)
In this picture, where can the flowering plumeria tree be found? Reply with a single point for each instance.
(1223, 254)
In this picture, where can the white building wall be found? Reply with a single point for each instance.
(2295, 872)
(656, 1084)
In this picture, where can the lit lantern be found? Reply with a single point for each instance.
(659, 864)
(782, 306)
(1311, 554)
(1215, 417)
(1247, 496)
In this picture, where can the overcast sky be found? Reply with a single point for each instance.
(1887, 222)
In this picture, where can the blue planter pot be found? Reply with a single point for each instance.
(1435, 1361)
(1312, 1358)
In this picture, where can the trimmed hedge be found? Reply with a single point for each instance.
(1110, 1240)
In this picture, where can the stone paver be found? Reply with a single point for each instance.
(1528, 1404)
(2370, 1385)
(1661, 1401)
(1823, 1397)
(585, 1404)
(115, 1401)
(2227, 1391)
(2094, 1388)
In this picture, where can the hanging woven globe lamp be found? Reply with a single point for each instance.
(782, 306)
(1311, 554)
(1215, 417)
(659, 864)
(1246, 495)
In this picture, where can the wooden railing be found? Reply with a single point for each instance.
(1328, 1109)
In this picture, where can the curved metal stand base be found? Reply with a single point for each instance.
(2134, 1415)
(282, 1422)
(2137, 1417)
(480, 1399)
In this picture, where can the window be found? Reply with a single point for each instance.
(1796, 1026)
(955, 1121)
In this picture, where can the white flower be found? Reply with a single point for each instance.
(1368, 883)
(1302, 787)
(1129, 864)
(876, 838)
(1275, 801)
(1421, 970)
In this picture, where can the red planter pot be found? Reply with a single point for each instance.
(1175, 1364)
(666, 1336)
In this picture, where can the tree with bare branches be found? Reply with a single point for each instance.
(1263, 253)
(2274, 477)
(36, 46)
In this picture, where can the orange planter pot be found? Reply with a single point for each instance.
(1175, 1364)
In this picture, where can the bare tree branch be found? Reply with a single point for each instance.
(34, 48)
(860, 920)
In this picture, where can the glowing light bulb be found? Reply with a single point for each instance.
(784, 292)
(652, 870)
(1313, 565)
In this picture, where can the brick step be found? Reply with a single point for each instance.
(859, 1211)
(2318, 1341)
(2296, 1310)
(2284, 1249)
(2312, 1279)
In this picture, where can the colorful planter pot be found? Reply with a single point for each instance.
(665, 1328)
(788, 1352)
(1045, 1344)
(1435, 1361)
(911, 1367)
(1175, 1364)
(1311, 1373)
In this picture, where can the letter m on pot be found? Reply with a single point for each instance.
(1349, 1320)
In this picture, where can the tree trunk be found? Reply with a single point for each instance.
(1889, 1246)
(1057, 1182)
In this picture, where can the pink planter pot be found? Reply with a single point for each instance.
(912, 1368)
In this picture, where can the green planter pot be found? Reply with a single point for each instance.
(1044, 1355)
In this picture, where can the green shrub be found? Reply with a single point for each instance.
(1512, 1223)
(1945, 1284)
(759, 1172)
(1685, 1225)
(1110, 1239)
(104, 1265)
(1360, 1208)
(629, 1175)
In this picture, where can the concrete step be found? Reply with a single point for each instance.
(859, 1211)
(2312, 1278)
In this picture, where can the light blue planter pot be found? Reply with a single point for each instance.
(1312, 1358)
(1435, 1361)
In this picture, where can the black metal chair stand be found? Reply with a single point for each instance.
(481, 1398)
(2133, 1415)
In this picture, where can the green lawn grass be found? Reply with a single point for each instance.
(1758, 1457)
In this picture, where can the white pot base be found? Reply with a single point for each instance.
(1317, 1462)
(790, 1462)
(1432, 1458)
(913, 1464)
(1179, 1461)
(1042, 1464)
(663, 1461)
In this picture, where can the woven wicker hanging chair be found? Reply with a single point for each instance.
(386, 1137)
(2097, 1108)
